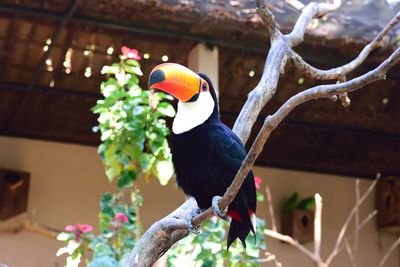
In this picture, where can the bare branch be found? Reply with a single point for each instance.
(270, 208)
(311, 11)
(268, 19)
(350, 252)
(391, 249)
(291, 241)
(161, 236)
(24, 222)
(349, 218)
(265, 89)
(317, 225)
(269, 257)
(357, 215)
(329, 90)
(296, 4)
(164, 233)
(356, 231)
(335, 73)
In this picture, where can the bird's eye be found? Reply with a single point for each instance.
(204, 87)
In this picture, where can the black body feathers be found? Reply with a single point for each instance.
(206, 160)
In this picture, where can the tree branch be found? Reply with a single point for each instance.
(164, 233)
(391, 249)
(271, 209)
(24, 222)
(317, 226)
(291, 241)
(311, 11)
(268, 19)
(357, 215)
(349, 218)
(278, 55)
(335, 73)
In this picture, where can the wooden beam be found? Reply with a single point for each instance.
(39, 68)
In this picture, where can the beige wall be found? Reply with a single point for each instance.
(67, 182)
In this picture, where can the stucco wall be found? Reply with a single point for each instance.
(67, 182)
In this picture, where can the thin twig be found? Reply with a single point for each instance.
(269, 257)
(24, 222)
(357, 215)
(359, 227)
(387, 254)
(317, 225)
(291, 241)
(349, 218)
(270, 208)
(350, 252)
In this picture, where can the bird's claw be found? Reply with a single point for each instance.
(217, 211)
(188, 221)
(193, 229)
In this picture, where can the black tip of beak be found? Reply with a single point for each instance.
(156, 77)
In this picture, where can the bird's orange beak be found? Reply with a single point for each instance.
(177, 80)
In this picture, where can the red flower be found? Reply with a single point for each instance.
(130, 53)
(120, 217)
(257, 181)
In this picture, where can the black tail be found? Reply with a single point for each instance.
(240, 230)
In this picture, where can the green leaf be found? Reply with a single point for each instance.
(165, 170)
(114, 69)
(260, 197)
(166, 109)
(107, 90)
(145, 161)
(133, 70)
(132, 62)
(126, 179)
(131, 150)
(290, 204)
(113, 170)
(307, 203)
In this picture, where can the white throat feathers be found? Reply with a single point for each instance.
(192, 114)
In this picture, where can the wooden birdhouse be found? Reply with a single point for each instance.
(14, 189)
(388, 204)
(299, 224)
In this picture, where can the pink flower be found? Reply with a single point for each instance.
(79, 228)
(257, 181)
(70, 228)
(120, 217)
(84, 228)
(130, 53)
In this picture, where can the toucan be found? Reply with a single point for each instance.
(206, 154)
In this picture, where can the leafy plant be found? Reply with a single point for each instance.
(134, 144)
(133, 131)
(294, 202)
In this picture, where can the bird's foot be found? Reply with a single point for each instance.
(217, 211)
(193, 229)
